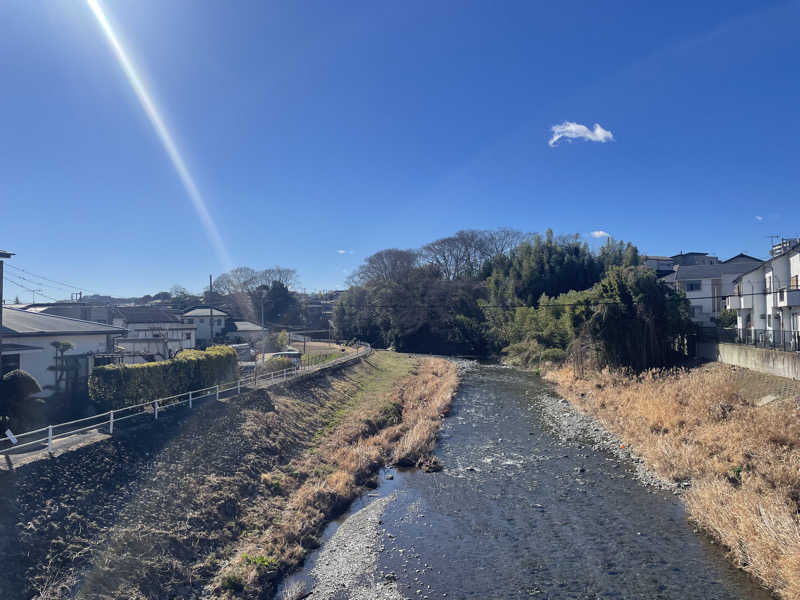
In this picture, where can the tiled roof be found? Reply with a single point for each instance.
(18, 322)
(145, 314)
(711, 271)
(204, 312)
(247, 326)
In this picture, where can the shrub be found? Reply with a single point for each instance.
(16, 387)
(553, 355)
(275, 364)
(116, 386)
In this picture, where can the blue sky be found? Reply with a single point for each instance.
(315, 127)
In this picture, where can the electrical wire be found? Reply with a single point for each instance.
(33, 291)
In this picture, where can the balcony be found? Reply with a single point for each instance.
(787, 297)
(739, 302)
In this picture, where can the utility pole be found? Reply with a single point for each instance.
(33, 293)
(3, 254)
(211, 307)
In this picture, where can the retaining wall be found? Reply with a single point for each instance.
(774, 362)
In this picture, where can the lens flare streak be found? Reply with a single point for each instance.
(163, 133)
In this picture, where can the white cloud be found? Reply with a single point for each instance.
(600, 234)
(344, 251)
(571, 130)
(759, 218)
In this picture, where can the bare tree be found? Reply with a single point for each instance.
(461, 256)
(387, 266)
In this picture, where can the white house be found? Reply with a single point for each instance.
(210, 322)
(767, 298)
(27, 339)
(153, 333)
(707, 285)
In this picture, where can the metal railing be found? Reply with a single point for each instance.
(787, 341)
(49, 434)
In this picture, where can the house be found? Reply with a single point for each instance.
(664, 265)
(706, 282)
(767, 297)
(85, 311)
(210, 322)
(27, 345)
(153, 333)
(245, 331)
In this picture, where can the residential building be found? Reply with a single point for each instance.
(153, 333)
(207, 320)
(767, 298)
(706, 282)
(85, 311)
(27, 344)
(245, 331)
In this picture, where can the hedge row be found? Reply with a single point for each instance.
(116, 386)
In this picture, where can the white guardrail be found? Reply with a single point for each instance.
(153, 407)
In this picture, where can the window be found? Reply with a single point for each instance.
(696, 310)
(795, 282)
(10, 363)
(768, 283)
(188, 336)
(201, 320)
(219, 321)
(769, 320)
(694, 285)
(190, 321)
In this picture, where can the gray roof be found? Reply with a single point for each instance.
(766, 263)
(247, 326)
(204, 312)
(144, 314)
(683, 273)
(18, 322)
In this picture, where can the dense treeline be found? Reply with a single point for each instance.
(531, 298)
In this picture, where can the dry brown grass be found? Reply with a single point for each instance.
(398, 426)
(743, 461)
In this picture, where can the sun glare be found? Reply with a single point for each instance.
(163, 133)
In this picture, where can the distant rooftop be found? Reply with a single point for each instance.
(144, 314)
(247, 326)
(204, 311)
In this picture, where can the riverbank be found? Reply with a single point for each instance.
(385, 422)
(735, 448)
(157, 511)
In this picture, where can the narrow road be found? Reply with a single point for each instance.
(518, 513)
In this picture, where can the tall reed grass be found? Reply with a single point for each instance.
(399, 428)
(742, 460)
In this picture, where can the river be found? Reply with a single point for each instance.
(518, 512)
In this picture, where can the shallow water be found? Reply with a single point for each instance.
(516, 513)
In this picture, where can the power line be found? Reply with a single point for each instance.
(31, 290)
(35, 282)
(68, 285)
(556, 304)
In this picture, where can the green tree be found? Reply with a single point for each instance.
(283, 339)
(726, 318)
(16, 408)
(639, 322)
